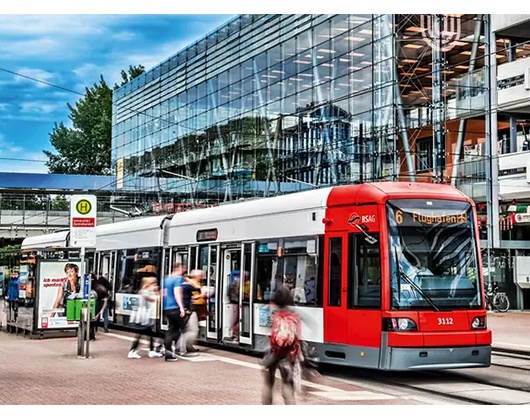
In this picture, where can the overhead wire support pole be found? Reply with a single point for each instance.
(87, 332)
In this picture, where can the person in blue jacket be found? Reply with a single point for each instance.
(13, 286)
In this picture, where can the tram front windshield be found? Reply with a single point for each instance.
(433, 255)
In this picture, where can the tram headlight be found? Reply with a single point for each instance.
(399, 324)
(479, 323)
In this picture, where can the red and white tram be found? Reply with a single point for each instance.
(385, 275)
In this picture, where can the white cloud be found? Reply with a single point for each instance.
(46, 24)
(9, 149)
(36, 74)
(124, 36)
(29, 48)
(40, 107)
(87, 71)
(18, 159)
(56, 37)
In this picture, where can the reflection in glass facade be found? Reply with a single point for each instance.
(272, 104)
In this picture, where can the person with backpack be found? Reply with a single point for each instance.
(285, 349)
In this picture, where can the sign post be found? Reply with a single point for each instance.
(83, 220)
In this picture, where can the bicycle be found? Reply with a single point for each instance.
(495, 299)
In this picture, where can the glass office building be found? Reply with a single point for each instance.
(269, 100)
(271, 104)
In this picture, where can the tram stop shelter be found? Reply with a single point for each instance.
(51, 292)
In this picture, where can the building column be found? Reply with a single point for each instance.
(492, 168)
(462, 124)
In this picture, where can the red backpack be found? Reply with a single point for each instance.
(284, 332)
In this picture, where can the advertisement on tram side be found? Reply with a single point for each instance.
(59, 294)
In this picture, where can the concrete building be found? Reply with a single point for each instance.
(270, 104)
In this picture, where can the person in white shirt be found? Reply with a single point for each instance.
(145, 316)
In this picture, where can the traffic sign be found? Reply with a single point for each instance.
(83, 219)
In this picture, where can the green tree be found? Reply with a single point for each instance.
(59, 202)
(85, 148)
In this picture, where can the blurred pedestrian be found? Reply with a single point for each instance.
(285, 350)
(13, 286)
(100, 294)
(193, 300)
(145, 316)
(105, 316)
(174, 309)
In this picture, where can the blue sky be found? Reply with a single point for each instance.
(71, 51)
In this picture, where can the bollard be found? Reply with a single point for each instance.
(87, 328)
(82, 333)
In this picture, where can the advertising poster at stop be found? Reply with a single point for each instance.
(59, 287)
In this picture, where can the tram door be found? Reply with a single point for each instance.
(237, 279)
(178, 255)
(246, 293)
(212, 280)
(107, 267)
(230, 291)
(335, 319)
(164, 271)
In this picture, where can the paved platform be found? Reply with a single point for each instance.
(48, 371)
(511, 330)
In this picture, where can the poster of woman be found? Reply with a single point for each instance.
(58, 283)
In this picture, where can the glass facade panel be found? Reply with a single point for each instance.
(285, 102)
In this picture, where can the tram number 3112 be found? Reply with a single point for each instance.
(445, 321)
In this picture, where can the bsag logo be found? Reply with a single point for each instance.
(448, 32)
(355, 219)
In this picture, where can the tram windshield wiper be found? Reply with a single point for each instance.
(416, 287)
(368, 238)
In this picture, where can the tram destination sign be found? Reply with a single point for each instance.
(83, 219)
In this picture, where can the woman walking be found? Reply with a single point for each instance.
(145, 316)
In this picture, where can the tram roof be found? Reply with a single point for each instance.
(56, 239)
(255, 208)
(381, 191)
(136, 233)
(140, 223)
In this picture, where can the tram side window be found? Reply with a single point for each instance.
(300, 275)
(203, 259)
(364, 272)
(335, 271)
(125, 275)
(266, 276)
(299, 267)
(145, 265)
